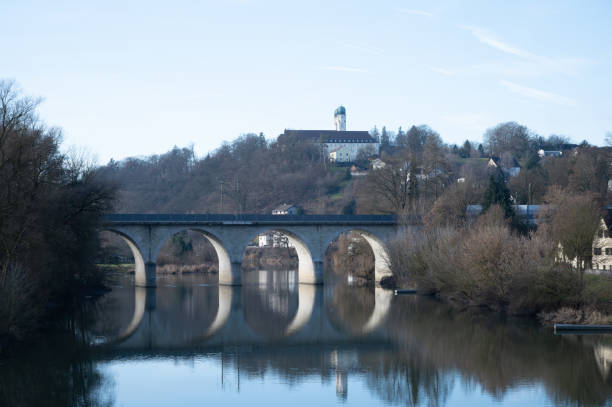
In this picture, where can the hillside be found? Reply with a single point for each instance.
(254, 175)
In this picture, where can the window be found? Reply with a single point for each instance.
(597, 251)
(608, 251)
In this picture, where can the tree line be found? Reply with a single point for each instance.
(250, 174)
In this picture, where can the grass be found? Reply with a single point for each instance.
(123, 267)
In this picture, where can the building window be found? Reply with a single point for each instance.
(597, 251)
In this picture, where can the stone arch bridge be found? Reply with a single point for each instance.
(311, 235)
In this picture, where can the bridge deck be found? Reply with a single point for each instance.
(247, 219)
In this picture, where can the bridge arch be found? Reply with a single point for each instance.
(309, 272)
(229, 268)
(378, 246)
(230, 234)
(140, 275)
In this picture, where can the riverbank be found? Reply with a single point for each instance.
(488, 266)
(25, 325)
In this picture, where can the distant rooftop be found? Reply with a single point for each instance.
(340, 110)
(283, 207)
(332, 136)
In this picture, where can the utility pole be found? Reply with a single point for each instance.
(238, 198)
(221, 199)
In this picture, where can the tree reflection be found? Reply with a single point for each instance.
(433, 341)
(348, 308)
(411, 382)
(55, 373)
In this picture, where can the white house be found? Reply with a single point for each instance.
(545, 153)
(602, 249)
(285, 209)
(601, 259)
(510, 169)
(273, 239)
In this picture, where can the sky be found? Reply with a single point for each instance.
(134, 78)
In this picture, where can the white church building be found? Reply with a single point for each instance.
(340, 145)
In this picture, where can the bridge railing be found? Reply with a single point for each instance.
(168, 218)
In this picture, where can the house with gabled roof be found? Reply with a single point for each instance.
(285, 209)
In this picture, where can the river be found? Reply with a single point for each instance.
(274, 342)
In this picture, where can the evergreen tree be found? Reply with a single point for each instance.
(497, 193)
(466, 150)
(384, 135)
(532, 160)
(481, 150)
(401, 139)
(374, 133)
(385, 141)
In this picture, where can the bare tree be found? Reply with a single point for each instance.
(574, 225)
(49, 204)
(435, 164)
(450, 209)
(387, 189)
(507, 137)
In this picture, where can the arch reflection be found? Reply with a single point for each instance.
(306, 303)
(174, 315)
(223, 310)
(271, 305)
(357, 310)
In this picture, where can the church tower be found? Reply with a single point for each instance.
(340, 118)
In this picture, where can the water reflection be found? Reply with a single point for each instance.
(269, 307)
(357, 310)
(56, 372)
(355, 345)
(270, 302)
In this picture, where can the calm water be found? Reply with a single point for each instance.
(273, 342)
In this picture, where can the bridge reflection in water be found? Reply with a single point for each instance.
(271, 340)
(271, 307)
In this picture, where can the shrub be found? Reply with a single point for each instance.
(485, 265)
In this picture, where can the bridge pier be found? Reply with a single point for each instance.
(150, 280)
(151, 299)
(316, 277)
(232, 276)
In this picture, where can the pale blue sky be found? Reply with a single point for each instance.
(126, 78)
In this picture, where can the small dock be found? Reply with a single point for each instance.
(576, 328)
(405, 291)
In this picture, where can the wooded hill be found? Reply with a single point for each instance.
(248, 175)
(254, 175)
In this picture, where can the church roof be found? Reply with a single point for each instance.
(332, 136)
